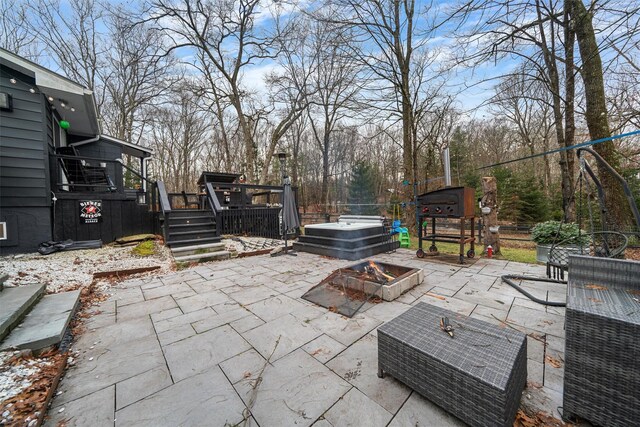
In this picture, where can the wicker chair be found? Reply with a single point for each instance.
(603, 244)
(602, 350)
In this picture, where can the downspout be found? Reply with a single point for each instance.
(144, 173)
(86, 141)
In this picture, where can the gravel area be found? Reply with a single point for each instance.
(239, 245)
(63, 271)
(16, 374)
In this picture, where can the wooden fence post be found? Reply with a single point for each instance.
(490, 219)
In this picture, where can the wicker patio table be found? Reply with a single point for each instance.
(478, 375)
(602, 348)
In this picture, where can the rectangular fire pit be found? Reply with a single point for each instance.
(354, 288)
(395, 279)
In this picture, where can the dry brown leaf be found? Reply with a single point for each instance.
(316, 352)
(556, 363)
(247, 374)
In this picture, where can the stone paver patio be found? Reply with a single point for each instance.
(232, 342)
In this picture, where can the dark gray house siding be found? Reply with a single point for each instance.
(24, 177)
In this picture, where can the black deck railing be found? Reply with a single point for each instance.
(80, 174)
(240, 209)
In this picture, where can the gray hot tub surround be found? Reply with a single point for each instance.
(352, 238)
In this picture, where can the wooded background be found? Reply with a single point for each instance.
(366, 91)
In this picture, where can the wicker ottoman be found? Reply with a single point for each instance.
(602, 349)
(478, 375)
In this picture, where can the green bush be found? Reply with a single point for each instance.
(549, 232)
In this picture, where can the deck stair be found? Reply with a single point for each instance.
(29, 320)
(192, 236)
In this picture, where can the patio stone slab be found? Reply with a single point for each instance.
(280, 337)
(128, 296)
(145, 308)
(183, 319)
(166, 314)
(249, 295)
(112, 335)
(323, 348)
(295, 390)
(420, 412)
(217, 320)
(247, 323)
(358, 364)
(343, 329)
(277, 306)
(355, 409)
(462, 307)
(162, 291)
(243, 367)
(203, 399)
(388, 310)
(96, 409)
(201, 352)
(176, 334)
(110, 366)
(539, 321)
(140, 386)
(200, 301)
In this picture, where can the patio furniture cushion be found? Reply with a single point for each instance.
(602, 350)
(478, 375)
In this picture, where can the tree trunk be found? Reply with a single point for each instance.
(596, 113)
(490, 200)
(325, 172)
(568, 180)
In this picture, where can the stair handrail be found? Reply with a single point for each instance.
(163, 197)
(165, 207)
(213, 199)
(216, 207)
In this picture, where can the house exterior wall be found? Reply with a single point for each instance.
(25, 202)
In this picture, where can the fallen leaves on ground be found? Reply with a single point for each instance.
(30, 403)
(538, 419)
(555, 362)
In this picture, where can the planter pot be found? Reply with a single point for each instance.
(542, 251)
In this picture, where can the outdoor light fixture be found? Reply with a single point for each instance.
(50, 99)
(32, 90)
(13, 81)
(6, 101)
(282, 156)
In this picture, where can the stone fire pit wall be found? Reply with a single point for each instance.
(389, 291)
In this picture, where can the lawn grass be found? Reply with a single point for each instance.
(510, 254)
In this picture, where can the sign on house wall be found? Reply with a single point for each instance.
(91, 211)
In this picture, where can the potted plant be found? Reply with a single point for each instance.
(549, 233)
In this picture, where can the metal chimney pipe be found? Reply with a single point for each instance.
(446, 160)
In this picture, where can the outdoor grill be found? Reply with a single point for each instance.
(452, 202)
(449, 202)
